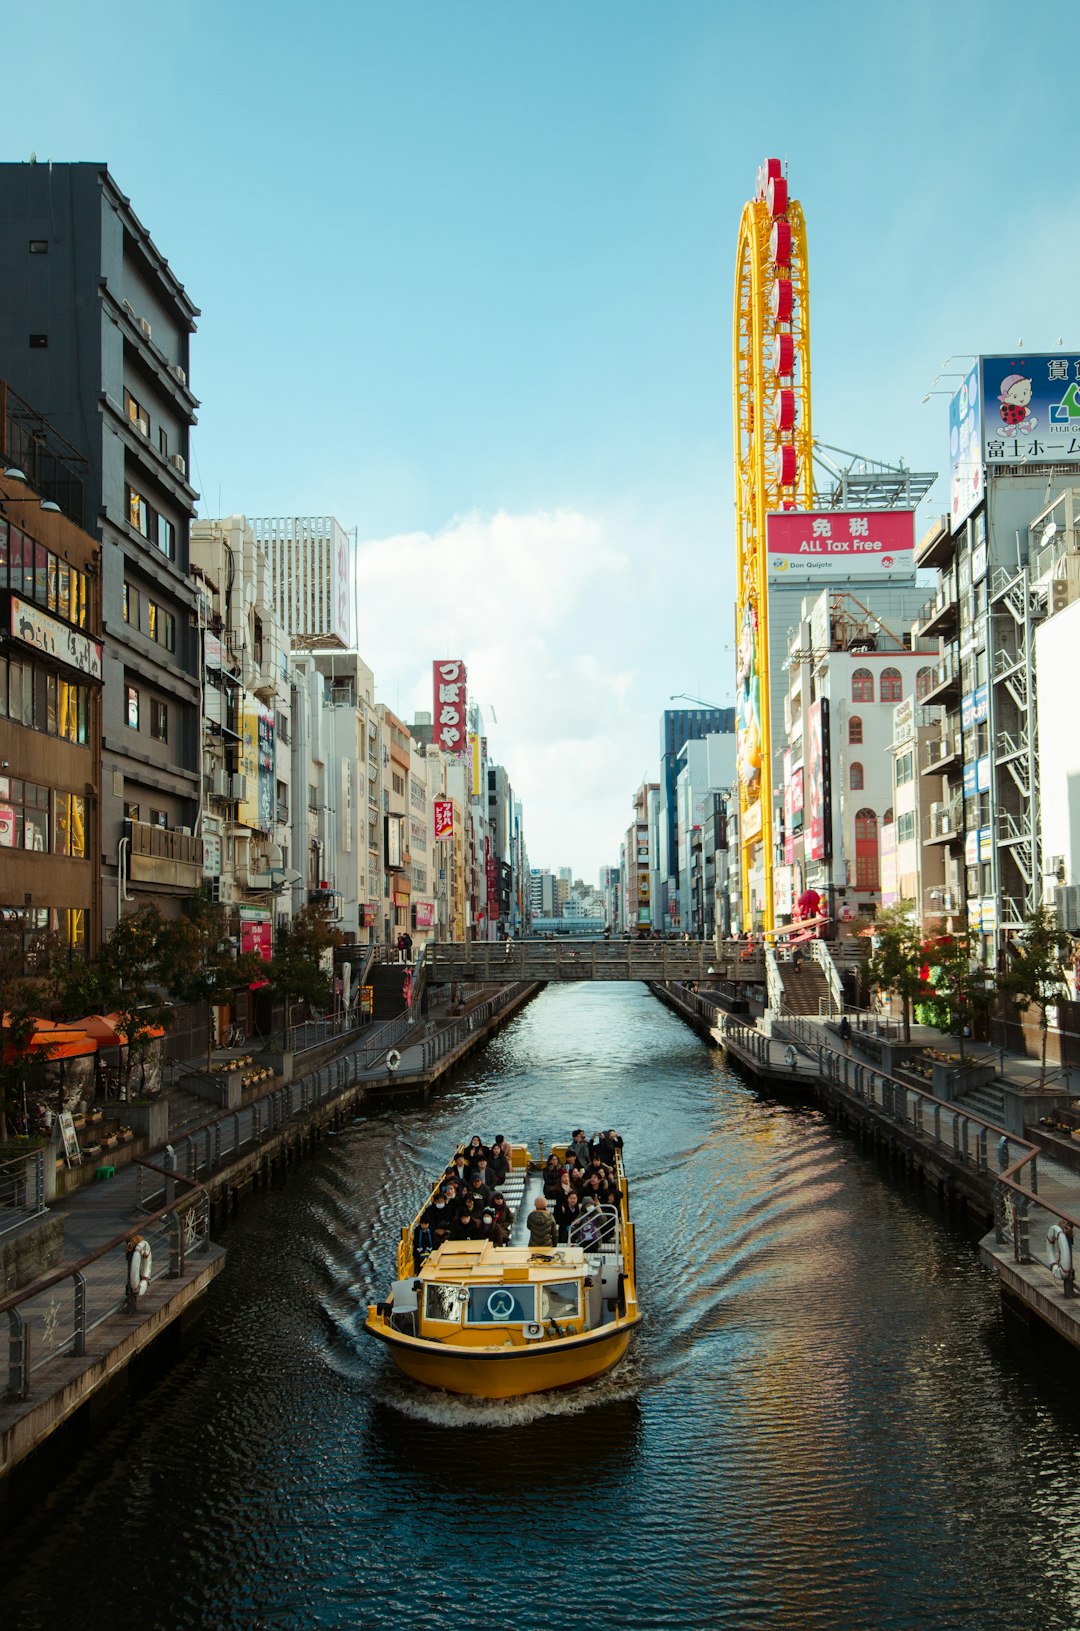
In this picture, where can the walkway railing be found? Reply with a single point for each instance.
(819, 951)
(22, 1188)
(54, 1316)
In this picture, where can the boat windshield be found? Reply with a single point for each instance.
(501, 1305)
(442, 1303)
(559, 1302)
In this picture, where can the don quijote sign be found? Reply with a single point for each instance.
(811, 546)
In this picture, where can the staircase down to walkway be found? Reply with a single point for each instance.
(806, 990)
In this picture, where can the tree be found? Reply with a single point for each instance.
(1036, 978)
(898, 959)
(958, 987)
(301, 968)
(197, 963)
(27, 993)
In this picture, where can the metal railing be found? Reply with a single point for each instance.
(54, 1316)
(819, 951)
(22, 1189)
(774, 985)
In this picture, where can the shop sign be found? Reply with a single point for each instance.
(813, 546)
(444, 818)
(1031, 409)
(55, 639)
(449, 705)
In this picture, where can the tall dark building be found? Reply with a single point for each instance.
(94, 331)
(681, 725)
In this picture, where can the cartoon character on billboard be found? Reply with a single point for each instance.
(748, 703)
(1014, 399)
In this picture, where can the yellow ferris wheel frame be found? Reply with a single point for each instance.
(760, 436)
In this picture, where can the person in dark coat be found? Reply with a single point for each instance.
(543, 1230)
(499, 1162)
(567, 1208)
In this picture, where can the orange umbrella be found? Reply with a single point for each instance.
(106, 1032)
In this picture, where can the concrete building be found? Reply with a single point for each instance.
(312, 570)
(95, 331)
(677, 727)
(50, 707)
(638, 866)
(706, 766)
(849, 663)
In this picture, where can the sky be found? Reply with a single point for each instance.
(465, 271)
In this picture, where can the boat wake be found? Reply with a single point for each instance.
(457, 1410)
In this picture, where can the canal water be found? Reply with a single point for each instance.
(824, 1425)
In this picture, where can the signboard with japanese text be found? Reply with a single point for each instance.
(789, 836)
(965, 450)
(975, 707)
(798, 800)
(247, 809)
(443, 815)
(812, 546)
(423, 914)
(449, 730)
(819, 813)
(492, 881)
(367, 915)
(1031, 409)
(55, 639)
(474, 765)
(256, 933)
(212, 854)
(784, 891)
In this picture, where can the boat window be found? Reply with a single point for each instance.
(441, 1303)
(501, 1305)
(559, 1302)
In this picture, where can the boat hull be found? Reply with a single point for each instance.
(510, 1373)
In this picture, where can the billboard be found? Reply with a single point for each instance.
(55, 639)
(819, 812)
(449, 705)
(965, 450)
(423, 914)
(1030, 409)
(789, 836)
(256, 933)
(826, 546)
(443, 818)
(475, 781)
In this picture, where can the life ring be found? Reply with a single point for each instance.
(393, 1059)
(139, 1265)
(1060, 1258)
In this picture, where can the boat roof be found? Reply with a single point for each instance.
(462, 1261)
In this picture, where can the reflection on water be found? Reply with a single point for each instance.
(822, 1423)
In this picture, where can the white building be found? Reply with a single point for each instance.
(312, 570)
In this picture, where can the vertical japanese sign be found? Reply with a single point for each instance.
(256, 933)
(819, 823)
(965, 450)
(789, 834)
(449, 711)
(247, 811)
(266, 767)
(444, 818)
(491, 870)
(474, 765)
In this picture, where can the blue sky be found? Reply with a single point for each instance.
(465, 270)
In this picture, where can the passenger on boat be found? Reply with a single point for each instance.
(479, 1191)
(500, 1160)
(483, 1172)
(503, 1215)
(552, 1173)
(491, 1229)
(461, 1225)
(475, 1150)
(567, 1208)
(423, 1241)
(578, 1174)
(610, 1144)
(543, 1230)
(578, 1147)
(589, 1229)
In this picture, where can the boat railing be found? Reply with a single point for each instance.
(595, 1233)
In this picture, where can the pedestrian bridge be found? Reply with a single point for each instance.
(492, 963)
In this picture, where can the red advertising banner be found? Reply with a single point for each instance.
(444, 818)
(805, 546)
(449, 710)
(367, 916)
(257, 936)
(492, 883)
(423, 914)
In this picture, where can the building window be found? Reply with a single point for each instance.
(39, 246)
(905, 768)
(163, 441)
(887, 817)
(854, 731)
(39, 342)
(159, 818)
(862, 685)
(159, 720)
(855, 777)
(905, 827)
(138, 511)
(168, 631)
(26, 815)
(69, 825)
(131, 812)
(865, 825)
(892, 685)
(166, 538)
(138, 415)
(132, 708)
(131, 605)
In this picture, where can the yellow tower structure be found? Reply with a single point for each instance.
(773, 471)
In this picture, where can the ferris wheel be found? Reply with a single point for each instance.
(773, 471)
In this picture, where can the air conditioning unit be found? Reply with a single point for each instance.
(178, 462)
(221, 783)
(238, 787)
(1067, 904)
(145, 326)
(179, 372)
(1059, 594)
(185, 832)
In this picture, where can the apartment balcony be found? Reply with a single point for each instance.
(164, 859)
(941, 902)
(939, 617)
(938, 754)
(936, 546)
(940, 684)
(944, 823)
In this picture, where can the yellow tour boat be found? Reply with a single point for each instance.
(499, 1321)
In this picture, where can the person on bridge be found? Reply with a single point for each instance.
(543, 1230)
(406, 946)
(509, 951)
(845, 1032)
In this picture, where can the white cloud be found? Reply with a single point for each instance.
(538, 606)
